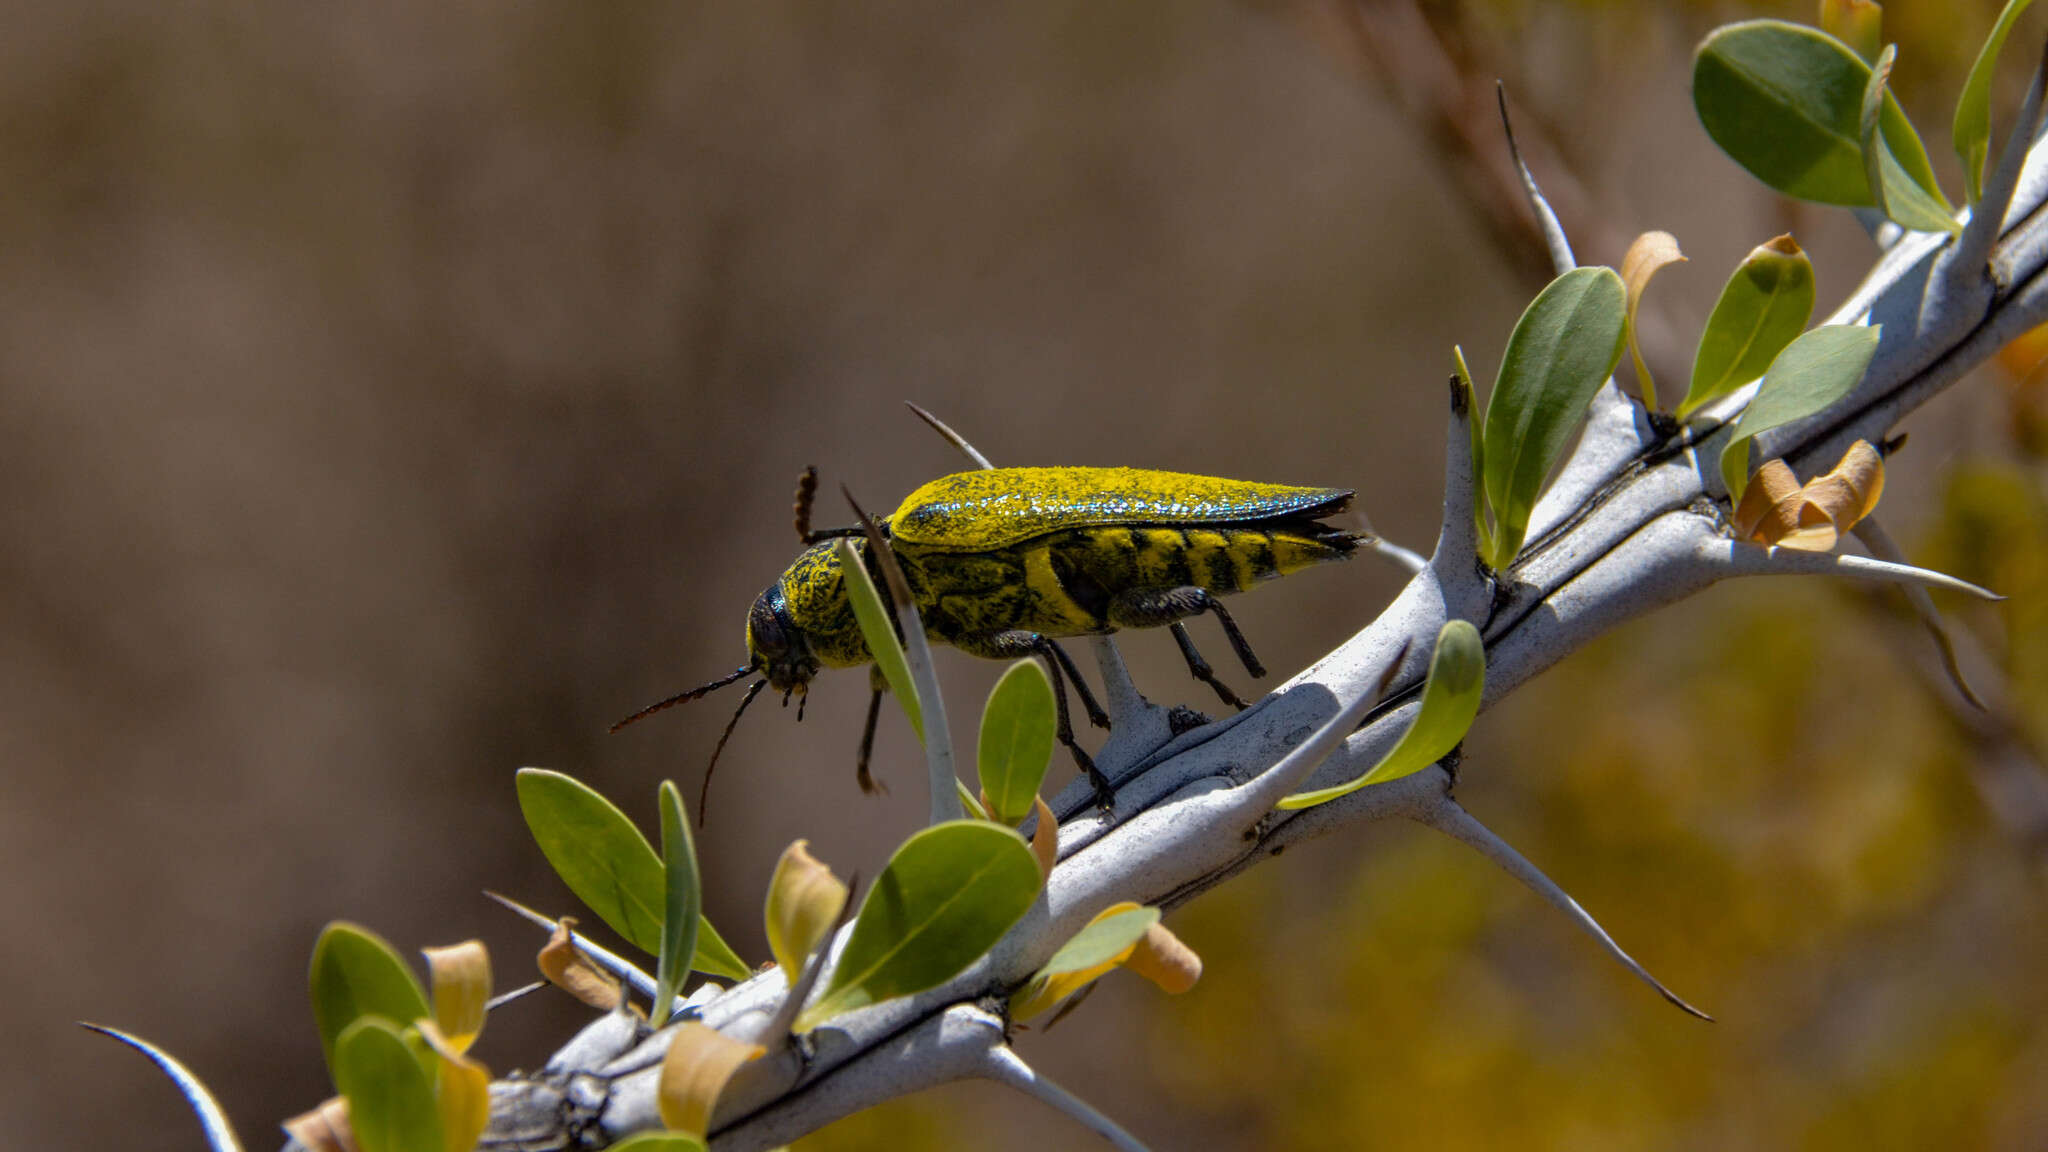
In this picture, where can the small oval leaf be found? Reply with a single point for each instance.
(356, 974)
(1450, 702)
(610, 866)
(1902, 201)
(873, 616)
(1563, 348)
(1785, 102)
(945, 898)
(681, 900)
(390, 1094)
(1811, 373)
(1972, 130)
(1016, 741)
(1764, 306)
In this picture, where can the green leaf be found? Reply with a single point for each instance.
(1016, 740)
(390, 1093)
(610, 866)
(1764, 306)
(1563, 348)
(660, 1142)
(1102, 941)
(1786, 102)
(1482, 531)
(1972, 130)
(1811, 373)
(683, 899)
(873, 615)
(356, 974)
(969, 802)
(1898, 197)
(1450, 702)
(945, 898)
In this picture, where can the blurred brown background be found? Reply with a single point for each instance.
(394, 395)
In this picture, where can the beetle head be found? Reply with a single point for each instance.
(776, 646)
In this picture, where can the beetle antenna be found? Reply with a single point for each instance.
(806, 493)
(704, 793)
(682, 697)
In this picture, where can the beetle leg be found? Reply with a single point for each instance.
(1096, 715)
(1059, 669)
(1152, 607)
(868, 784)
(1198, 667)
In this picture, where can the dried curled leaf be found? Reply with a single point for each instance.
(1650, 252)
(1165, 960)
(324, 1129)
(460, 979)
(567, 968)
(700, 1061)
(1777, 510)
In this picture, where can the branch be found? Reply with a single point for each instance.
(1634, 522)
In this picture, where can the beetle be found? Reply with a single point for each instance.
(1002, 562)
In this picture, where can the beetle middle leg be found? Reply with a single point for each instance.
(1018, 643)
(1152, 607)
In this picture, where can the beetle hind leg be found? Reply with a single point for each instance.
(1199, 667)
(1153, 607)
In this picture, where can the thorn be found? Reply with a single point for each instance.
(1446, 816)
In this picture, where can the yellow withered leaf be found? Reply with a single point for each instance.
(462, 1092)
(1163, 959)
(461, 979)
(804, 901)
(700, 1061)
(1056, 981)
(324, 1129)
(567, 968)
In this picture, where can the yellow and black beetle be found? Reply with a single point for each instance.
(1004, 560)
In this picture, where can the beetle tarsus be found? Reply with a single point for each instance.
(868, 784)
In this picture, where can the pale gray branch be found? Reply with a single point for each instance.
(1635, 521)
